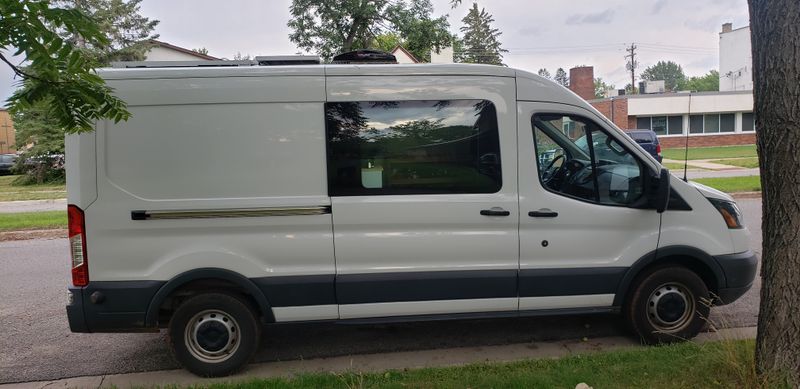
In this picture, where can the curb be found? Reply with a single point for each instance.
(369, 363)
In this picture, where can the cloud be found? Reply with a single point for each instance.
(658, 6)
(604, 17)
(532, 30)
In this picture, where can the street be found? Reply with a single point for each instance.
(37, 343)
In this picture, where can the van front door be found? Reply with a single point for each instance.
(422, 179)
(578, 231)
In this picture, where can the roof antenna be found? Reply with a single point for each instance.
(686, 145)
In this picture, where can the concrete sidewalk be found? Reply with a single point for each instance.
(33, 206)
(375, 362)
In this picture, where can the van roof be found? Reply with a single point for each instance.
(311, 70)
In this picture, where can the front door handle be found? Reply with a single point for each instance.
(496, 211)
(543, 213)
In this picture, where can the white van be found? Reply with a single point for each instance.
(238, 196)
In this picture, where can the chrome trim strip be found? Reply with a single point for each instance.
(226, 213)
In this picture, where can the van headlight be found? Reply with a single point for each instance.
(729, 211)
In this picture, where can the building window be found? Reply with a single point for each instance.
(748, 122)
(712, 123)
(412, 147)
(661, 125)
(727, 122)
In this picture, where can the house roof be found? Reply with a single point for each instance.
(181, 49)
(406, 52)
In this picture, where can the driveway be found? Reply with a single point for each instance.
(33, 206)
(37, 344)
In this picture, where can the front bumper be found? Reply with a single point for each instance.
(740, 271)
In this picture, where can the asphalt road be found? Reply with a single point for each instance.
(37, 344)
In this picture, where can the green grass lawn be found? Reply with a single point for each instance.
(726, 364)
(711, 152)
(733, 184)
(741, 162)
(10, 192)
(33, 220)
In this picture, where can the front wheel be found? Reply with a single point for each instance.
(668, 304)
(214, 334)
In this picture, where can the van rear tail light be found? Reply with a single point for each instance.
(77, 245)
(658, 149)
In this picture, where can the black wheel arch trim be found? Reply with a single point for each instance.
(151, 320)
(661, 254)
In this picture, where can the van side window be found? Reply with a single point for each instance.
(577, 159)
(412, 147)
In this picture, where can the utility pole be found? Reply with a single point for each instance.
(632, 65)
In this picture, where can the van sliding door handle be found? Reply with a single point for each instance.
(495, 212)
(543, 213)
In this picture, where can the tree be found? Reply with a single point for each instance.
(561, 77)
(58, 74)
(329, 28)
(128, 31)
(43, 161)
(669, 71)
(387, 41)
(600, 88)
(776, 62)
(480, 44)
(706, 83)
(201, 50)
(544, 73)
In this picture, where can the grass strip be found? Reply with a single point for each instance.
(741, 162)
(10, 192)
(716, 152)
(33, 220)
(733, 184)
(723, 364)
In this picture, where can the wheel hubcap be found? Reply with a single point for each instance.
(212, 336)
(670, 307)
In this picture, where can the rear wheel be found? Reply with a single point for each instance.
(214, 334)
(668, 304)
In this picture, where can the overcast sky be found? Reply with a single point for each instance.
(537, 33)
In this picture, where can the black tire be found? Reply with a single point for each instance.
(653, 308)
(214, 334)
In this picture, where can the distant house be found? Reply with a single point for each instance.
(403, 55)
(7, 133)
(163, 51)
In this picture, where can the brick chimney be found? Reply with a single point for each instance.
(581, 81)
(727, 27)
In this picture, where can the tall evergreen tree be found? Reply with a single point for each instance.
(126, 29)
(480, 44)
(561, 77)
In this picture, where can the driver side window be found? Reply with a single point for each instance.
(577, 159)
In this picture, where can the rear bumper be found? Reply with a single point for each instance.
(740, 271)
(115, 306)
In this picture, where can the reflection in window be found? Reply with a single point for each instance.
(412, 147)
(585, 162)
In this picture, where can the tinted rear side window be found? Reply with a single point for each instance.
(641, 137)
(412, 147)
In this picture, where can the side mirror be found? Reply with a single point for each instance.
(662, 191)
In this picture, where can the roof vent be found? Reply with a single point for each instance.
(365, 56)
(279, 60)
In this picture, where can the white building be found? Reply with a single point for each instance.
(735, 59)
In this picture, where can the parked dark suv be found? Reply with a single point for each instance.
(648, 140)
(6, 163)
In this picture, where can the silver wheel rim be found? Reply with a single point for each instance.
(670, 307)
(212, 336)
